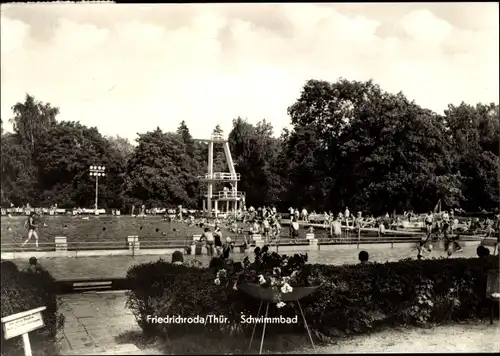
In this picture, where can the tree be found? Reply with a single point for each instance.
(396, 155)
(475, 133)
(301, 153)
(352, 144)
(63, 164)
(255, 151)
(355, 145)
(31, 121)
(18, 174)
(121, 147)
(187, 139)
(159, 173)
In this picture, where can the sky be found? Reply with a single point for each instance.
(131, 68)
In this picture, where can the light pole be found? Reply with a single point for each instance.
(97, 171)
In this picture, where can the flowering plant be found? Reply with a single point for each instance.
(281, 273)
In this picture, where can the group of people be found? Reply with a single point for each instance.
(442, 226)
(213, 240)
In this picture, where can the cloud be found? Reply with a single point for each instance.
(425, 27)
(130, 68)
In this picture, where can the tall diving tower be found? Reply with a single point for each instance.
(232, 197)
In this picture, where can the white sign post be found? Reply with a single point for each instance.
(21, 324)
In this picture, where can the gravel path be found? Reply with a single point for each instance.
(479, 337)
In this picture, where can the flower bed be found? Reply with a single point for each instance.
(351, 299)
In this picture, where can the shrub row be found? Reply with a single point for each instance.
(354, 299)
(22, 291)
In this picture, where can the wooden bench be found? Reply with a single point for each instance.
(61, 243)
(257, 240)
(490, 241)
(133, 243)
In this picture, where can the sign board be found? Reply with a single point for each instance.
(22, 323)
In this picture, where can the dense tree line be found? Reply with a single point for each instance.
(351, 144)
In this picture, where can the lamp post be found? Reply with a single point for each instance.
(97, 171)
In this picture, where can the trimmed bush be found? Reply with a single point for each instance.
(354, 299)
(23, 291)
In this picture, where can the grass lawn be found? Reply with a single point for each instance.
(115, 229)
(96, 228)
(106, 228)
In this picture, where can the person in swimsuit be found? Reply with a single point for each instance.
(304, 215)
(217, 240)
(209, 238)
(337, 228)
(381, 228)
(429, 220)
(347, 216)
(294, 230)
(358, 221)
(267, 230)
(276, 228)
(32, 226)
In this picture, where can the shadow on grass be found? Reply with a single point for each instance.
(216, 343)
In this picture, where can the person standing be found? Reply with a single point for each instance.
(294, 230)
(358, 221)
(381, 228)
(304, 215)
(429, 221)
(32, 225)
(336, 228)
(296, 214)
(267, 230)
(209, 238)
(276, 228)
(454, 224)
(446, 217)
(217, 239)
(347, 216)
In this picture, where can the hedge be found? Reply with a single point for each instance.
(354, 299)
(22, 291)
